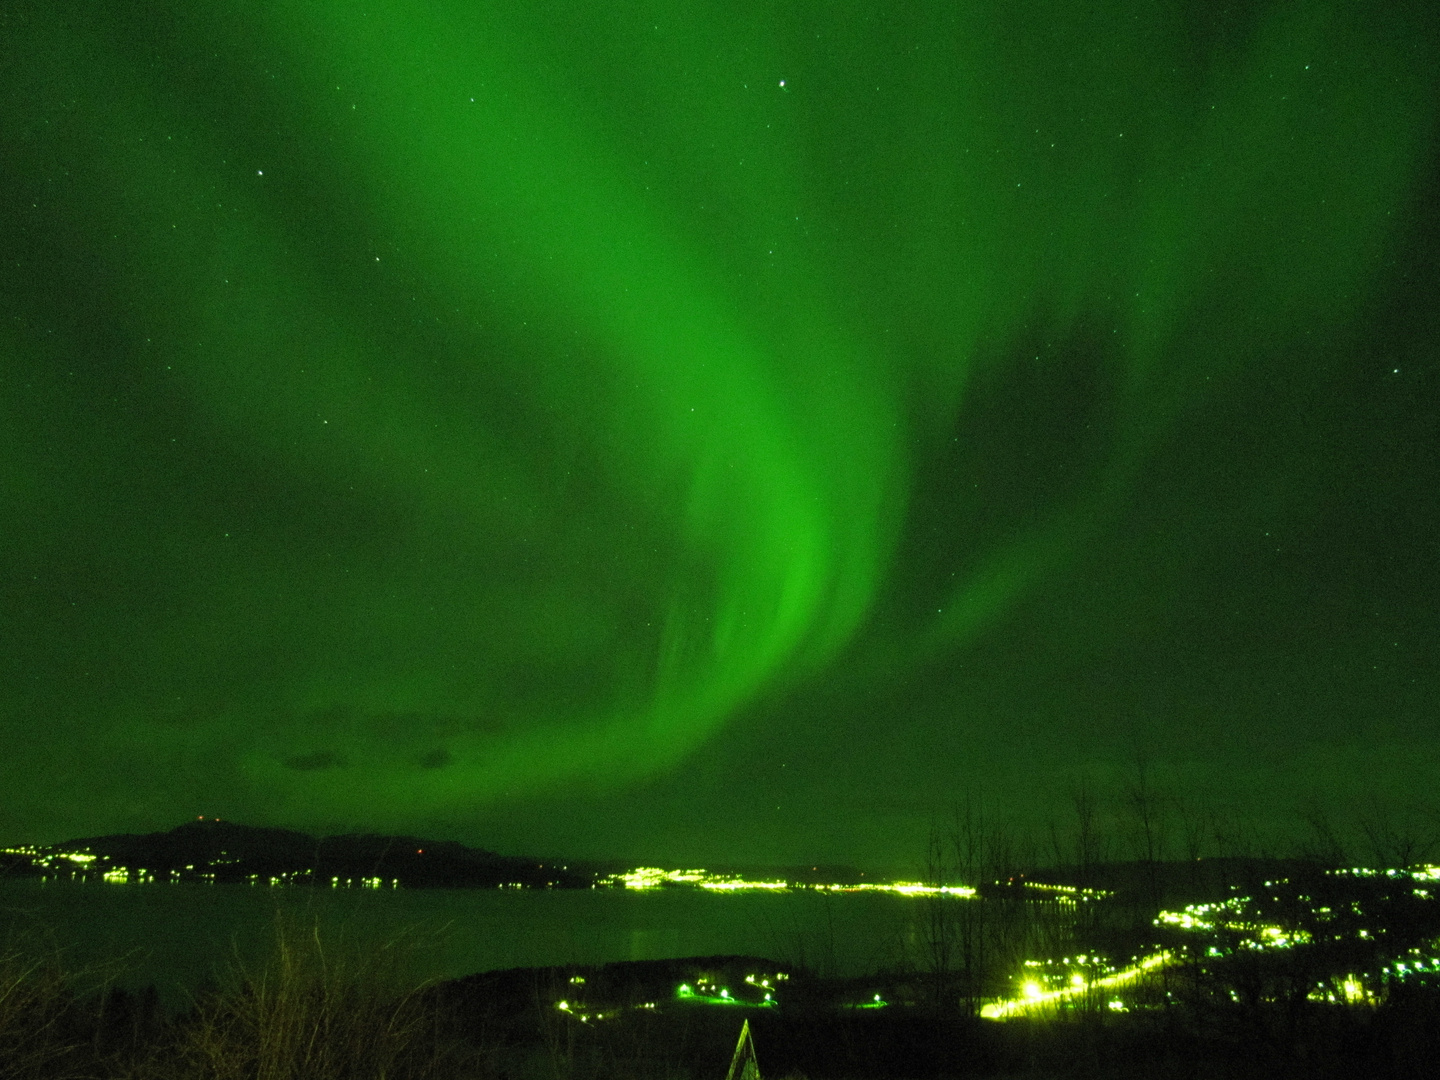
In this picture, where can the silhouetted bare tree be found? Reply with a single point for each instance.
(1400, 836)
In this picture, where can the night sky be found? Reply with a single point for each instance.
(714, 431)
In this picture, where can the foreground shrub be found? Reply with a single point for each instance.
(35, 1017)
(317, 1010)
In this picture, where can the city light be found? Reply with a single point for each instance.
(1035, 997)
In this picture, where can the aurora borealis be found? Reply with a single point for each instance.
(711, 430)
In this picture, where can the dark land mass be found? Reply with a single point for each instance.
(1247, 1013)
(219, 851)
(1171, 881)
(224, 852)
(626, 1019)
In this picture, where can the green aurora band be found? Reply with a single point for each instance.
(443, 402)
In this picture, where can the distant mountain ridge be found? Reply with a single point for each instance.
(212, 850)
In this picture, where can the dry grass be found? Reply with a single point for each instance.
(35, 1006)
(317, 1010)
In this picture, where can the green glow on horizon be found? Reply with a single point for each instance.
(618, 334)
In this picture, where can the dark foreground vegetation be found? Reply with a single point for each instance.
(315, 1012)
(1164, 945)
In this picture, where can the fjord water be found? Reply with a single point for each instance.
(178, 937)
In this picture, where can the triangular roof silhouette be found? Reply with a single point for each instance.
(743, 1065)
